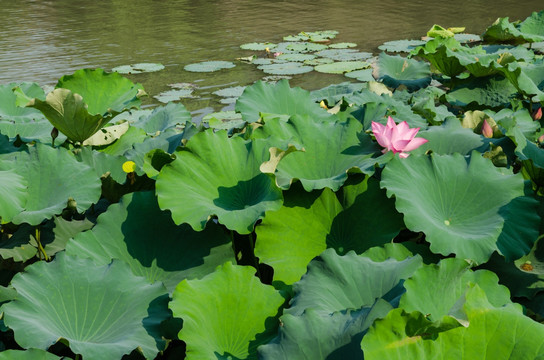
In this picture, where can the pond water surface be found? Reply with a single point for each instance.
(43, 40)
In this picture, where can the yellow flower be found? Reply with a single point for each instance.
(129, 166)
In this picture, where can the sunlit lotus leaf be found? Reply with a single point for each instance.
(53, 176)
(401, 45)
(209, 66)
(394, 71)
(257, 46)
(26, 91)
(104, 93)
(287, 68)
(501, 31)
(318, 61)
(138, 68)
(30, 354)
(334, 93)
(12, 195)
(532, 27)
(174, 95)
(437, 51)
(303, 47)
(435, 289)
(311, 222)
(490, 91)
(344, 54)
(76, 300)
(107, 135)
(316, 336)
(342, 45)
(527, 78)
(360, 75)
(233, 91)
(126, 142)
(163, 118)
(334, 283)
(436, 195)
(392, 250)
(131, 227)
(218, 176)
(467, 38)
(296, 57)
(374, 107)
(340, 144)
(227, 313)
(449, 138)
(341, 67)
(492, 333)
(278, 98)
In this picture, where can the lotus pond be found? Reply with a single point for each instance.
(394, 216)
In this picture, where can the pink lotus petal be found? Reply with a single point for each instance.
(403, 155)
(397, 138)
(538, 114)
(487, 131)
(414, 144)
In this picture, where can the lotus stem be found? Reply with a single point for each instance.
(41, 250)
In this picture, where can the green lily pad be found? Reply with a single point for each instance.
(302, 47)
(30, 354)
(209, 66)
(245, 307)
(278, 98)
(342, 45)
(287, 68)
(296, 57)
(394, 71)
(138, 68)
(53, 177)
(312, 222)
(179, 253)
(234, 188)
(233, 91)
(344, 54)
(341, 67)
(401, 45)
(257, 46)
(360, 75)
(174, 95)
(436, 194)
(318, 61)
(76, 300)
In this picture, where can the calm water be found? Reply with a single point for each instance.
(43, 40)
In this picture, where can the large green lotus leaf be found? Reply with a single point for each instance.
(394, 71)
(342, 145)
(492, 333)
(360, 75)
(30, 354)
(217, 175)
(424, 103)
(56, 233)
(12, 195)
(103, 312)
(53, 176)
(278, 98)
(449, 138)
(334, 283)
(437, 51)
(105, 94)
(309, 223)
(532, 27)
(313, 335)
(374, 107)
(434, 289)
(132, 226)
(437, 195)
(103, 164)
(502, 31)
(227, 314)
(525, 149)
(8, 104)
(341, 67)
(491, 91)
(163, 118)
(68, 113)
(521, 119)
(527, 78)
(334, 93)
(209, 66)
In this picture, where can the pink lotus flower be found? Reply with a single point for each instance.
(397, 138)
(537, 115)
(487, 131)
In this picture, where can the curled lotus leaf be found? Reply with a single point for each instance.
(394, 71)
(225, 183)
(241, 318)
(75, 300)
(436, 195)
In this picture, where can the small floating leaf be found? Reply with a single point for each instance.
(255, 46)
(288, 68)
(341, 67)
(209, 66)
(138, 68)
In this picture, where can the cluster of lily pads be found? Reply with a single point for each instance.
(304, 225)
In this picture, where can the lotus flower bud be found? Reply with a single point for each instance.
(537, 115)
(487, 131)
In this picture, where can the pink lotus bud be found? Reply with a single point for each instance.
(397, 138)
(541, 139)
(487, 131)
(537, 115)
